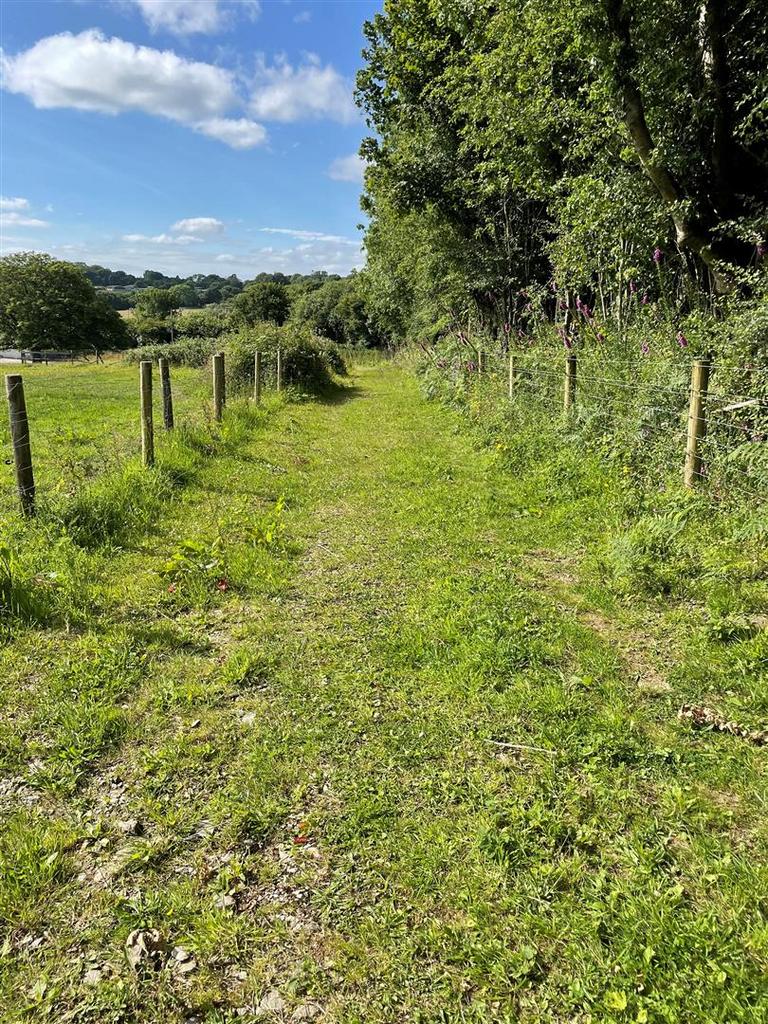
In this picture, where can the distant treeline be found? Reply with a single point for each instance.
(191, 292)
(50, 304)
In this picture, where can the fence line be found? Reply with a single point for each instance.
(704, 411)
(132, 434)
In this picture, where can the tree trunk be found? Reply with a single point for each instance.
(690, 233)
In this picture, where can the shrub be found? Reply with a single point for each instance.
(192, 351)
(308, 361)
(203, 323)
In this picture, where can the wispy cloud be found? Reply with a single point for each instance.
(21, 220)
(13, 203)
(199, 226)
(348, 168)
(310, 236)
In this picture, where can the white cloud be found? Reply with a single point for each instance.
(183, 232)
(182, 17)
(239, 133)
(302, 17)
(187, 17)
(13, 203)
(162, 239)
(22, 221)
(347, 168)
(310, 236)
(285, 93)
(90, 72)
(199, 226)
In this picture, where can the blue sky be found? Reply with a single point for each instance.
(182, 135)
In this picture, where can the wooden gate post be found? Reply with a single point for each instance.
(22, 451)
(569, 399)
(219, 396)
(697, 421)
(165, 383)
(257, 377)
(145, 402)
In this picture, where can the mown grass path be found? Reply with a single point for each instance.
(394, 773)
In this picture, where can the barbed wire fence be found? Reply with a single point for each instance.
(68, 427)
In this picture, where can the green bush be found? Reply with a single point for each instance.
(203, 323)
(192, 351)
(308, 362)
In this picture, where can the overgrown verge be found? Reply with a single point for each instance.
(610, 473)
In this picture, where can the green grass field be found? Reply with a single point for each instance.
(341, 706)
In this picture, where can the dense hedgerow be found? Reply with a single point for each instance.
(308, 361)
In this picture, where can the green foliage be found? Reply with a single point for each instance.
(203, 323)
(193, 351)
(438, 706)
(308, 362)
(50, 304)
(155, 303)
(183, 296)
(479, 203)
(264, 301)
(32, 859)
(339, 310)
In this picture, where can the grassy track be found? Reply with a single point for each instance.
(373, 758)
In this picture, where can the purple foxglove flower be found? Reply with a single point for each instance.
(507, 327)
(682, 341)
(645, 300)
(632, 287)
(762, 249)
(658, 255)
(568, 342)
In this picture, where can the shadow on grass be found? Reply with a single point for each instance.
(337, 394)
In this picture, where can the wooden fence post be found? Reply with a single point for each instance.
(145, 400)
(165, 383)
(22, 451)
(257, 377)
(219, 396)
(569, 399)
(279, 371)
(697, 421)
(512, 372)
